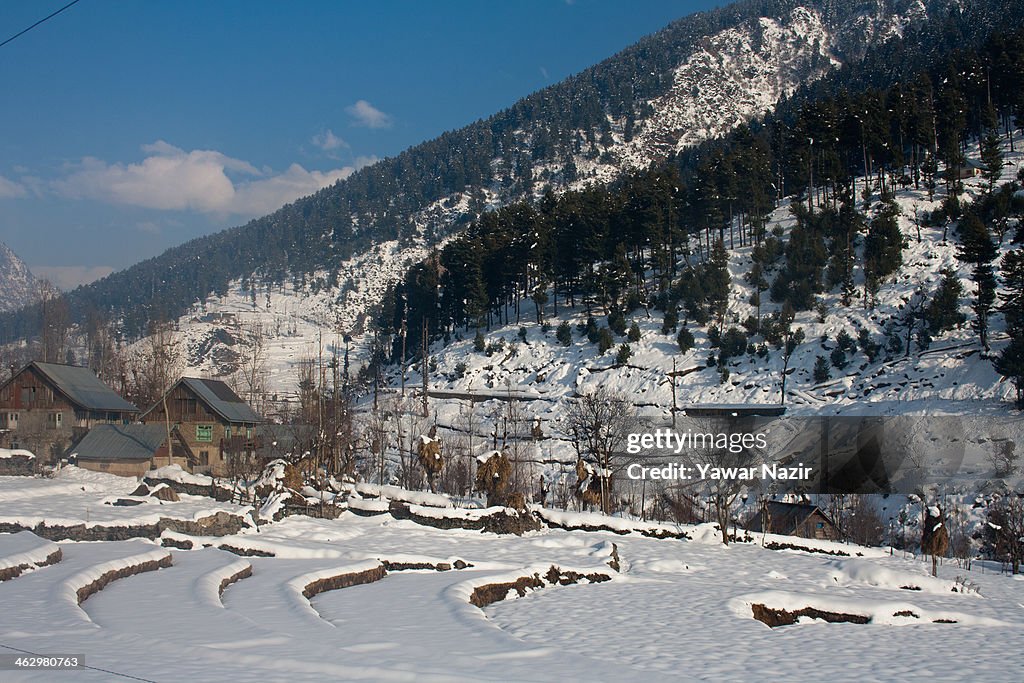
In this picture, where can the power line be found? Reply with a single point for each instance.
(47, 18)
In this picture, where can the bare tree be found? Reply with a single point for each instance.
(378, 433)
(1004, 532)
(153, 368)
(512, 436)
(791, 339)
(598, 424)
(862, 523)
(104, 352)
(154, 364)
(717, 465)
(254, 367)
(54, 323)
(1003, 457)
(309, 390)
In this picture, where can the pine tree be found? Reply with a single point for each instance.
(685, 340)
(978, 249)
(716, 280)
(991, 158)
(564, 334)
(822, 372)
(624, 354)
(1010, 362)
(883, 246)
(943, 310)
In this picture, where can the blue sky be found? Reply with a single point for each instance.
(129, 127)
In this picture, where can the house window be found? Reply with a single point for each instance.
(54, 420)
(819, 525)
(248, 433)
(58, 419)
(204, 458)
(12, 420)
(204, 433)
(227, 432)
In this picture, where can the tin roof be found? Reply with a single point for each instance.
(120, 442)
(222, 400)
(83, 387)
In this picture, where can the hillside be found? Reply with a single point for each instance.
(685, 84)
(949, 375)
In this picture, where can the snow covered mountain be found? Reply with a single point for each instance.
(17, 285)
(692, 81)
(714, 71)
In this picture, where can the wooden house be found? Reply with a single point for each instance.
(793, 519)
(971, 168)
(131, 450)
(45, 407)
(218, 426)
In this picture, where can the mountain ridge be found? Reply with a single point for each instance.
(437, 187)
(17, 284)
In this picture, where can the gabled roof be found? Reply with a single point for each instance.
(784, 517)
(121, 442)
(219, 397)
(82, 387)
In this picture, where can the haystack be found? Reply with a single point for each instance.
(428, 450)
(494, 477)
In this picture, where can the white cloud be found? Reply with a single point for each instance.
(263, 196)
(10, 189)
(69, 277)
(365, 114)
(170, 178)
(328, 141)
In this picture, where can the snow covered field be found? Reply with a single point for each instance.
(676, 608)
(77, 496)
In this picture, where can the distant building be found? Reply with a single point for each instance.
(969, 169)
(734, 410)
(45, 407)
(218, 426)
(130, 450)
(793, 519)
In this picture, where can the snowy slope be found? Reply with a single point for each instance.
(953, 377)
(726, 79)
(17, 285)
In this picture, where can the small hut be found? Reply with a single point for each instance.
(793, 519)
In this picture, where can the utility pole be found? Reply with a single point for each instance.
(404, 330)
(425, 365)
(674, 406)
